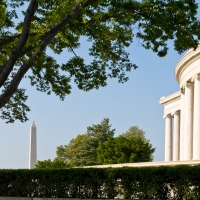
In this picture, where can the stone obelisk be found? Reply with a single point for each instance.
(33, 147)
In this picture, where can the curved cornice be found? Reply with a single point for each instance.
(186, 60)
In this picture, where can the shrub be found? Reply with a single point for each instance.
(164, 182)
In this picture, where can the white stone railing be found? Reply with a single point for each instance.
(148, 164)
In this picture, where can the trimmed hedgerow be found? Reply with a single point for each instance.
(164, 182)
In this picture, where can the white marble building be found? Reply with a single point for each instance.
(182, 111)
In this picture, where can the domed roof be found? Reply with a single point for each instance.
(188, 66)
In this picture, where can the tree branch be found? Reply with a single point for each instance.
(60, 25)
(55, 29)
(31, 47)
(46, 38)
(12, 38)
(8, 66)
(73, 51)
(4, 98)
(102, 19)
(9, 40)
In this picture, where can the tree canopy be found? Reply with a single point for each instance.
(125, 150)
(99, 146)
(135, 131)
(48, 164)
(82, 150)
(109, 25)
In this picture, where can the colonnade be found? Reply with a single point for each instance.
(182, 131)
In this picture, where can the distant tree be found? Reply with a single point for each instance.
(82, 150)
(46, 164)
(135, 131)
(100, 132)
(76, 152)
(126, 148)
(98, 146)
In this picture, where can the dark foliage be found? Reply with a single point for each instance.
(166, 182)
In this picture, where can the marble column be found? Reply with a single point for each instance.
(182, 124)
(188, 121)
(196, 119)
(176, 133)
(168, 137)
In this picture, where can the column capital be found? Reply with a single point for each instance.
(183, 89)
(169, 115)
(189, 83)
(195, 77)
(177, 112)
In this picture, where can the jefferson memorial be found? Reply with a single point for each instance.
(182, 111)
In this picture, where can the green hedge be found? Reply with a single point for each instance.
(164, 182)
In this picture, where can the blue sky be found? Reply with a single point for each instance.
(126, 105)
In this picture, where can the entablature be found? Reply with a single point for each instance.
(171, 103)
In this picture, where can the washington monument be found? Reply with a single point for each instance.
(33, 147)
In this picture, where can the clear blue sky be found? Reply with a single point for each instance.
(128, 104)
